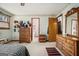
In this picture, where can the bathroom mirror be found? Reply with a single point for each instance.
(72, 22)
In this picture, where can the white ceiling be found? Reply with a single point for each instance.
(34, 8)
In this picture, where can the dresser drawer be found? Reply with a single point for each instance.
(65, 52)
(71, 42)
(25, 39)
(69, 49)
(23, 34)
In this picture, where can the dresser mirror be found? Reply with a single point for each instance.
(72, 22)
(60, 23)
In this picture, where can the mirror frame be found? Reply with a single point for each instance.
(69, 13)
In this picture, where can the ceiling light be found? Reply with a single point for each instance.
(22, 4)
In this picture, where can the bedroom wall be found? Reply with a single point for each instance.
(43, 24)
(6, 33)
(64, 12)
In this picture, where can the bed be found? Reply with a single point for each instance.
(13, 50)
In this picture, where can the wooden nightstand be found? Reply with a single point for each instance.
(42, 38)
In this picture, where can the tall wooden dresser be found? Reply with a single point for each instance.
(25, 34)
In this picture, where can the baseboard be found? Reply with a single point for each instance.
(7, 42)
(14, 40)
(10, 41)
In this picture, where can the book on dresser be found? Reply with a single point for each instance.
(25, 34)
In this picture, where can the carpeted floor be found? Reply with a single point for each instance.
(36, 48)
(52, 51)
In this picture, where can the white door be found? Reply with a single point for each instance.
(35, 30)
(16, 34)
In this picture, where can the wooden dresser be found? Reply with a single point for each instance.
(25, 34)
(69, 46)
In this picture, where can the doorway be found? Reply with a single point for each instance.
(35, 29)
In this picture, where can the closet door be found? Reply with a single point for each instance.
(52, 29)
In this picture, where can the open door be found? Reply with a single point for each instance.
(35, 29)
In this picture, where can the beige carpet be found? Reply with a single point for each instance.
(36, 48)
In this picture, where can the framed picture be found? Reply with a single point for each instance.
(4, 22)
(74, 27)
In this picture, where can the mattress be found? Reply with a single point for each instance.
(13, 50)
